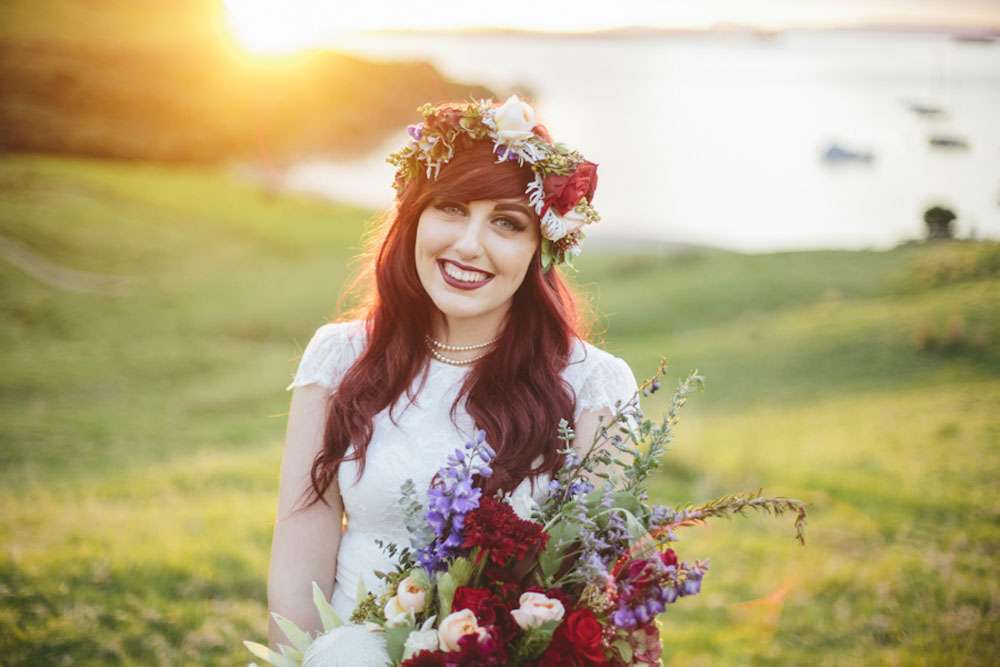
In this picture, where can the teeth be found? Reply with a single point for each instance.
(465, 276)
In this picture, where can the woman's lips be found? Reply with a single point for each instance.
(460, 284)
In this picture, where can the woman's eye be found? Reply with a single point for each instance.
(451, 209)
(509, 224)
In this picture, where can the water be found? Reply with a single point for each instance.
(718, 141)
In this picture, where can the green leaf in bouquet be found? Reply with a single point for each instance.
(420, 578)
(327, 615)
(536, 640)
(299, 638)
(446, 592)
(269, 656)
(290, 652)
(562, 534)
(624, 650)
(461, 570)
(640, 541)
(622, 499)
(395, 641)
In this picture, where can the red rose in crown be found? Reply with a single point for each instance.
(563, 193)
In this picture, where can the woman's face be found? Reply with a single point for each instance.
(472, 256)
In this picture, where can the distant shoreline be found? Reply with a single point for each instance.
(960, 32)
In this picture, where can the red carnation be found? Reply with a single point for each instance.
(426, 659)
(564, 192)
(499, 532)
(488, 608)
(475, 651)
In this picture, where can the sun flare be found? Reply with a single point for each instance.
(271, 28)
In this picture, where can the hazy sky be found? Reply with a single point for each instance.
(318, 16)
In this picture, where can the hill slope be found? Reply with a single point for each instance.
(151, 317)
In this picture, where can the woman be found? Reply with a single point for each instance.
(469, 325)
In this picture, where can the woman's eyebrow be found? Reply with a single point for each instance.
(517, 208)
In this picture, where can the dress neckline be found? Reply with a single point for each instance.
(437, 363)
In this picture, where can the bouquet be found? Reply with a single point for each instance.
(577, 579)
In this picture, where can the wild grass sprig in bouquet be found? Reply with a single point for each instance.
(575, 580)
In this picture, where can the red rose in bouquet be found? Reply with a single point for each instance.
(564, 192)
(577, 641)
(583, 631)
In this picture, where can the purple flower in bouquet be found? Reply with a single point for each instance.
(452, 496)
(647, 586)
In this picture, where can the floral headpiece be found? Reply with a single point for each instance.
(562, 190)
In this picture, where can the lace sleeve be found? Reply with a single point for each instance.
(609, 380)
(329, 354)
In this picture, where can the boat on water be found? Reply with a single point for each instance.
(836, 154)
(925, 110)
(948, 142)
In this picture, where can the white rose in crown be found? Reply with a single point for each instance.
(555, 226)
(514, 120)
(537, 609)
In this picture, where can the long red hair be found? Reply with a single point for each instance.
(515, 393)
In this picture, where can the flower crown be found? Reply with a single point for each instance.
(562, 190)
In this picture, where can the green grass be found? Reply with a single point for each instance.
(142, 432)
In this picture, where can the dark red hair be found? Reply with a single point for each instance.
(515, 393)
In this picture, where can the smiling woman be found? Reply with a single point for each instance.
(471, 258)
(465, 323)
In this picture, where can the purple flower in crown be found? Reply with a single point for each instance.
(505, 153)
(415, 131)
(451, 497)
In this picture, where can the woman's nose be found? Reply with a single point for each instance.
(469, 245)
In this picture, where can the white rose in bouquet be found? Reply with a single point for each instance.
(411, 596)
(401, 609)
(424, 639)
(457, 625)
(537, 609)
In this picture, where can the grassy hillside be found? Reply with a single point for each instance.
(169, 82)
(151, 316)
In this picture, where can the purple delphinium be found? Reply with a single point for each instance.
(639, 605)
(451, 497)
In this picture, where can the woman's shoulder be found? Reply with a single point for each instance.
(598, 377)
(332, 349)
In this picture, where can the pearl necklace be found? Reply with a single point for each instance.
(459, 348)
(432, 344)
(454, 362)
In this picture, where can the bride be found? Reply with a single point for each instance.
(467, 324)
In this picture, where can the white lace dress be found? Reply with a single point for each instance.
(418, 446)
